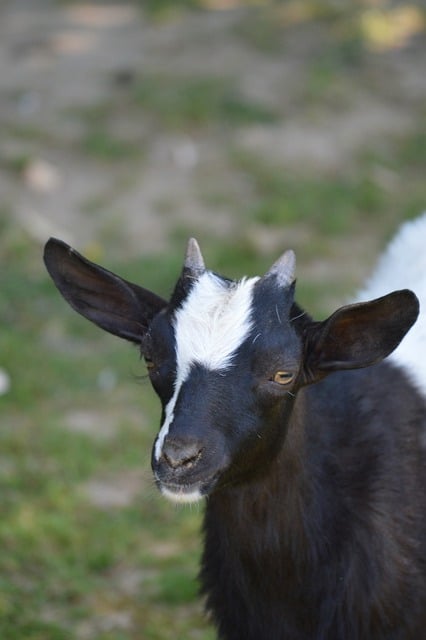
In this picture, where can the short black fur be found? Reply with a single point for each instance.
(331, 544)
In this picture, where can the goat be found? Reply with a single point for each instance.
(307, 444)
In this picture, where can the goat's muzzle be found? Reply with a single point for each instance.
(181, 456)
(184, 472)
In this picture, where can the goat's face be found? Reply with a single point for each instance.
(225, 362)
(226, 358)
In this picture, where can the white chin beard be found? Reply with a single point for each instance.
(180, 497)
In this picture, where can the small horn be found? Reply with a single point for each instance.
(193, 259)
(284, 269)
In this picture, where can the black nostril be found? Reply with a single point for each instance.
(178, 454)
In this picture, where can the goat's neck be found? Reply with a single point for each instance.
(274, 506)
(271, 506)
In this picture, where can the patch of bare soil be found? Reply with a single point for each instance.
(59, 58)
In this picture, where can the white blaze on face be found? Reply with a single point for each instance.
(212, 323)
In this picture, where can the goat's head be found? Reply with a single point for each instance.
(226, 358)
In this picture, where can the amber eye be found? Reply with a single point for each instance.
(283, 377)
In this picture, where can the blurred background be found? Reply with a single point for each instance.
(125, 127)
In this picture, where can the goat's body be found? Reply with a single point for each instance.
(312, 456)
(331, 543)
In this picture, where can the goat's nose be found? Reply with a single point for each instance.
(181, 454)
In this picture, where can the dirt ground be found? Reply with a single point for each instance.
(61, 62)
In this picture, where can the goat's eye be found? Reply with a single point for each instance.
(149, 363)
(283, 377)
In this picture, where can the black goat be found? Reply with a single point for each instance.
(311, 451)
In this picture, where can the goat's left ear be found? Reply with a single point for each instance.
(359, 335)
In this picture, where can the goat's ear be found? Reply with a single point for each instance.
(118, 306)
(359, 335)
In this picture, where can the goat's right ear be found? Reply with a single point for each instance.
(112, 303)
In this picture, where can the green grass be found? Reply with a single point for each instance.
(196, 101)
(328, 204)
(163, 8)
(101, 145)
(336, 204)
